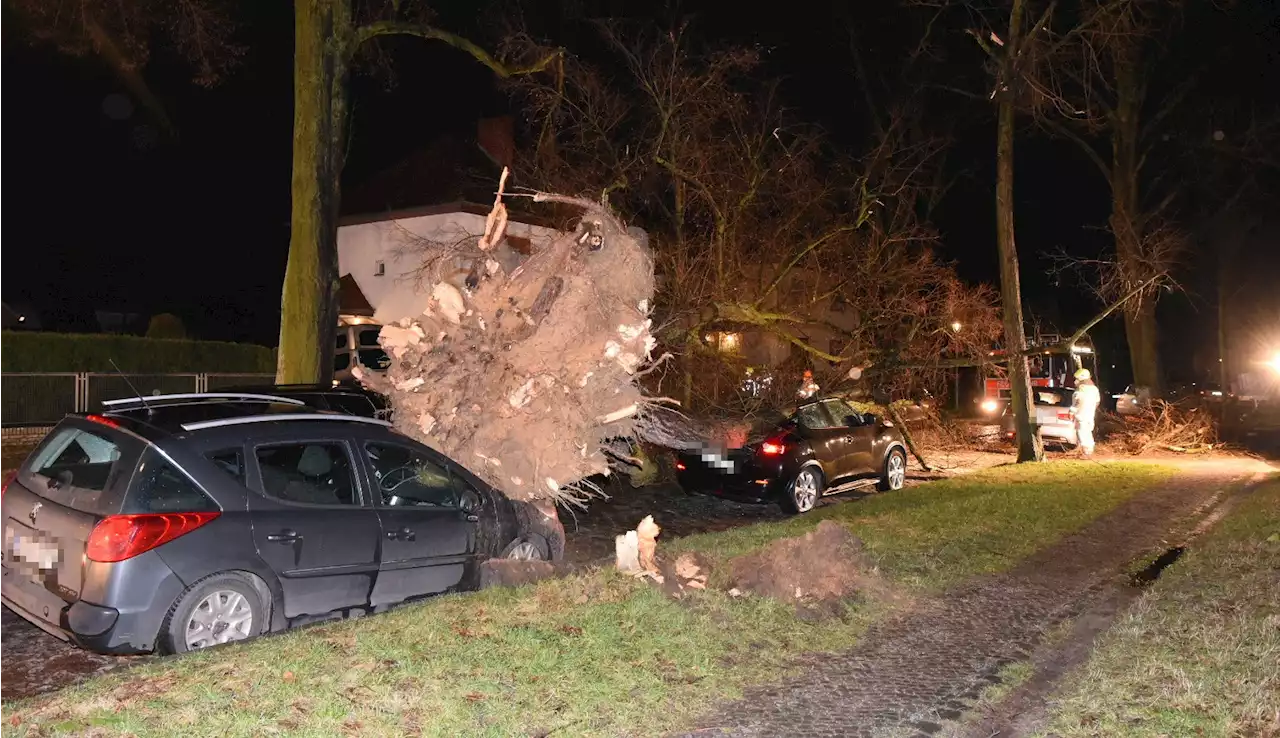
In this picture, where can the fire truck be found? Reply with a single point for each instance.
(1054, 366)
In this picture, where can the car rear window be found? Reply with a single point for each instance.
(82, 468)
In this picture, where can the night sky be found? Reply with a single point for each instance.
(104, 214)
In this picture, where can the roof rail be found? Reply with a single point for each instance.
(340, 417)
(143, 401)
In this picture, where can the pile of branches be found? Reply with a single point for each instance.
(1164, 426)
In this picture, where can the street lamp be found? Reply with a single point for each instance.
(956, 326)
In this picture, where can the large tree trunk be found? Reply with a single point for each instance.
(308, 309)
(1030, 447)
(1127, 223)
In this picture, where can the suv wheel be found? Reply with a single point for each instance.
(804, 491)
(894, 474)
(219, 609)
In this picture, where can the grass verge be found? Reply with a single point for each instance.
(1198, 654)
(594, 654)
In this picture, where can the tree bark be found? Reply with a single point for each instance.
(1127, 222)
(308, 307)
(1030, 447)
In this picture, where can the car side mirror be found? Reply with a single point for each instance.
(853, 421)
(870, 419)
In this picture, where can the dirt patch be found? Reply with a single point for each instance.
(36, 662)
(512, 573)
(825, 565)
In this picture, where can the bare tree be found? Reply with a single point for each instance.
(1104, 67)
(124, 35)
(757, 222)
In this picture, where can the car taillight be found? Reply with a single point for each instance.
(680, 466)
(120, 537)
(102, 420)
(7, 479)
(773, 446)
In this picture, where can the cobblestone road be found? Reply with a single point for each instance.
(921, 668)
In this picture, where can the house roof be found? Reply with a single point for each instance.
(351, 300)
(457, 206)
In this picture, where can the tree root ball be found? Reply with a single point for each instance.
(522, 376)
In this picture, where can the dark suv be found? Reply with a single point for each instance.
(193, 520)
(801, 458)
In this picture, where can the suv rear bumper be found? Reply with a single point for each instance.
(90, 626)
(749, 481)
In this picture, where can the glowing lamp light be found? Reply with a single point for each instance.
(990, 406)
(956, 326)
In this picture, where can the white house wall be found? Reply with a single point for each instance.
(398, 245)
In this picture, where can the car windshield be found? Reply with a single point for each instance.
(813, 417)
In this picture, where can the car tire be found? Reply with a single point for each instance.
(893, 474)
(531, 547)
(804, 491)
(219, 603)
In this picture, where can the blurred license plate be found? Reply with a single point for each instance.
(29, 547)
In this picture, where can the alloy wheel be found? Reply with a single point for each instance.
(221, 617)
(805, 490)
(525, 551)
(896, 470)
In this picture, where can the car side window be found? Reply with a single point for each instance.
(813, 417)
(310, 473)
(408, 477)
(164, 489)
(229, 460)
(469, 498)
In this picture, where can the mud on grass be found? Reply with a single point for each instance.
(1197, 654)
(593, 654)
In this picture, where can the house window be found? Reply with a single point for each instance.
(379, 269)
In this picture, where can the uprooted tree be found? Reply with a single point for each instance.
(525, 374)
(529, 372)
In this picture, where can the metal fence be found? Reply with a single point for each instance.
(42, 399)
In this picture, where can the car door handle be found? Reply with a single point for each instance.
(473, 518)
(404, 534)
(284, 536)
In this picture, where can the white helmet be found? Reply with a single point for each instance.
(1083, 375)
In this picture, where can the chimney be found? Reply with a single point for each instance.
(496, 137)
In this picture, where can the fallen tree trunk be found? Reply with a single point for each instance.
(906, 436)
